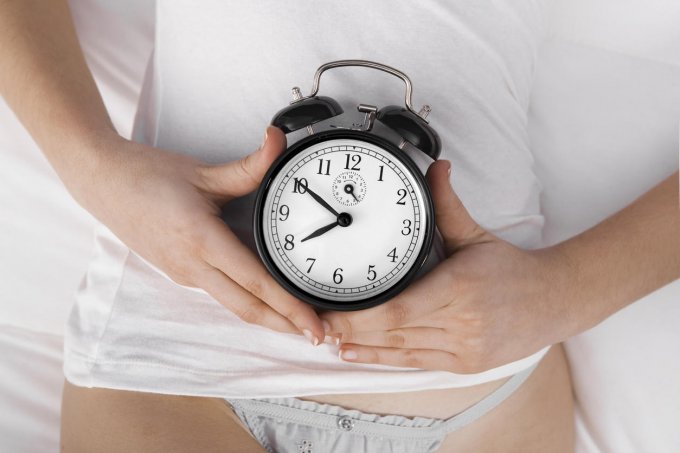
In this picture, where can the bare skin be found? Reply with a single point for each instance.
(131, 187)
(538, 417)
(104, 420)
(460, 316)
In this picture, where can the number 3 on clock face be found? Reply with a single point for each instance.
(344, 220)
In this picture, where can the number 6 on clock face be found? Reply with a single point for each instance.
(344, 220)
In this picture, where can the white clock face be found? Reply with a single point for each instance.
(372, 242)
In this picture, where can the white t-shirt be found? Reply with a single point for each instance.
(220, 70)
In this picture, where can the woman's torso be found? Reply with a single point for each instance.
(219, 72)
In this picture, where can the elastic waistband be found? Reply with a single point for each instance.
(395, 426)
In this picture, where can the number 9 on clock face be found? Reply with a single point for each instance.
(344, 220)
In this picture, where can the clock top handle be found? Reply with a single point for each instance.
(381, 67)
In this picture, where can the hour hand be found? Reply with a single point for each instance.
(322, 230)
(344, 220)
(321, 201)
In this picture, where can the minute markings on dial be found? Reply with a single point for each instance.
(384, 274)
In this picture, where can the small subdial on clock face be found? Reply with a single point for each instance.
(349, 188)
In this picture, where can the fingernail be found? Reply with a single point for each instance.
(347, 354)
(326, 326)
(449, 170)
(331, 340)
(312, 339)
(264, 140)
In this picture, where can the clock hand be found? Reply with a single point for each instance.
(321, 230)
(350, 190)
(343, 220)
(321, 201)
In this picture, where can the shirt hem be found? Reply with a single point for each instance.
(84, 371)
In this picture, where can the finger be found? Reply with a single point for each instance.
(454, 222)
(243, 304)
(422, 297)
(240, 177)
(227, 253)
(408, 337)
(426, 359)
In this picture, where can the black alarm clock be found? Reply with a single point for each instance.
(344, 218)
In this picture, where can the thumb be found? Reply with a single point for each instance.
(240, 177)
(458, 229)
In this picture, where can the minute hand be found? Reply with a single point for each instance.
(321, 201)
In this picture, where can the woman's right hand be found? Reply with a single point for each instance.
(166, 207)
(163, 205)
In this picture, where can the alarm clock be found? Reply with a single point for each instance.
(344, 218)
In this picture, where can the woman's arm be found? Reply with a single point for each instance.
(491, 303)
(622, 259)
(46, 82)
(163, 205)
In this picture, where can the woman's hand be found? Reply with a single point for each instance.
(166, 207)
(490, 303)
(163, 205)
(487, 304)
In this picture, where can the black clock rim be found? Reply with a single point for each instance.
(283, 280)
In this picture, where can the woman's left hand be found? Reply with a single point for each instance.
(487, 304)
